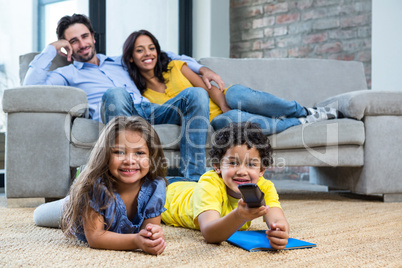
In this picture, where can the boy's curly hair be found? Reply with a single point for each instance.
(235, 134)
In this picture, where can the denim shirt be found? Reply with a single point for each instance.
(151, 203)
(93, 79)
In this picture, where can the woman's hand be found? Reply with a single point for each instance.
(209, 75)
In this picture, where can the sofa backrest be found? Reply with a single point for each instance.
(25, 59)
(305, 80)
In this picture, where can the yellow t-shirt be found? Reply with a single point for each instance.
(186, 200)
(175, 83)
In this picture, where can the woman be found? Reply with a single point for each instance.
(160, 79)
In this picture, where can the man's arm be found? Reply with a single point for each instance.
(38, 72)
(207, 74)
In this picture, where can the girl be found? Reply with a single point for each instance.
(160, 79)
(240, 153)
(117, 200)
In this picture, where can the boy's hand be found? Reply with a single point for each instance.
(151, 239)
(249, 214)
(278, 235)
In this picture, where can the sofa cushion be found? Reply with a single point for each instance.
(85, 133)
(45, 99)
(26, 59)
(319, 134)
(358, 104)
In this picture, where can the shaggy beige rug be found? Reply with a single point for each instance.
(349, 232)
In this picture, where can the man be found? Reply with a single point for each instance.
(111, 92)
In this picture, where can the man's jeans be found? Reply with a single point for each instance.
(190, 109)
(273, 114)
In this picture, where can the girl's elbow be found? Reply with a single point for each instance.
(94, 243)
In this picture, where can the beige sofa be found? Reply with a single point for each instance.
(48, 135)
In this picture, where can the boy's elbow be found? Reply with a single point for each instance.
(211, 237)
(213, 240)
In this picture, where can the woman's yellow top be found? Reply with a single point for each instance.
(175, 82)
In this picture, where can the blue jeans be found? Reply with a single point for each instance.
(190, 109)
(273, 114)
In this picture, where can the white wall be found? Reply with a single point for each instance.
(18, 30)
(211, 36)
(160, 17)
(17, 34)
(210, 25)
(387, 45)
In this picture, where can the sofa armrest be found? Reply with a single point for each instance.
(357, 104)
(45, 99)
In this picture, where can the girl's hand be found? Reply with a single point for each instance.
(249, 214)
(147, 240)
(278, 236)
(156, 231)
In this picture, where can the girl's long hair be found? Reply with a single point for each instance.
(86, 187)
(161, 63)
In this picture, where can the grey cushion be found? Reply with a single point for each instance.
(169, 135)
(320, 134)
(306, 81)
(46, 99)
(360, 103)
(85, 132)
(345, 155)
(26, 59)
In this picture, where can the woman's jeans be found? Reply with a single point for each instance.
(273, 114)
(190, 109)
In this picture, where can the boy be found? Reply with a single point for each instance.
(240, 154)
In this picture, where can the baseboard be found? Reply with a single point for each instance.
(1, 178)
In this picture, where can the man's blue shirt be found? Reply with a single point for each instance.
(94, 80)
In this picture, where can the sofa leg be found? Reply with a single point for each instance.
(388, 198)
(343, 178)
(50, 199)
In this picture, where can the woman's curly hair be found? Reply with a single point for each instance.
(234, 134)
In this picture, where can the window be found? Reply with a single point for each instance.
(49, 13)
